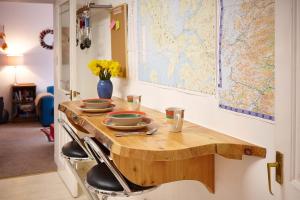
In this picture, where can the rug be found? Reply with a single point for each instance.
(24, 150)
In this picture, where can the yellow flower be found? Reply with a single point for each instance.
(93, 65)
(102, 63)
(105, 68)
(115, 69)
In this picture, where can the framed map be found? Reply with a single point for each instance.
(177, 43)
(246, 57)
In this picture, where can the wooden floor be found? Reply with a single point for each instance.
(47, 186)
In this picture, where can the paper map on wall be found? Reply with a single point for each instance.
(177, 43)
(246, 57)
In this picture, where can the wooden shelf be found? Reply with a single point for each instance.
(23, 94)
(24, 85)
(25, 119)
(163, 157)
(22, 102)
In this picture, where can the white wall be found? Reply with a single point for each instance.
(23, 24)
(235, 180)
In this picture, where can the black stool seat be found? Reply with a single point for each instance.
(102, 178)
(74, 150)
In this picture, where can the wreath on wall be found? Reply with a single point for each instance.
(43, 35)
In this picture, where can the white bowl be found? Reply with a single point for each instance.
(96, 103)
(126, 118)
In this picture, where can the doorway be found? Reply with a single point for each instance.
(26, 89)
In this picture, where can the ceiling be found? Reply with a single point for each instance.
(29, 1)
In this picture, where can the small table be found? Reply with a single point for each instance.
(163, 157)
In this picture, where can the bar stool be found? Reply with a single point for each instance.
(74, 152)
(105, 179)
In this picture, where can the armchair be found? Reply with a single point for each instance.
(46, 108)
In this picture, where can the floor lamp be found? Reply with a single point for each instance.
(14, 60)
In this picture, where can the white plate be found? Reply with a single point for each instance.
(143, 124)
(96, 110)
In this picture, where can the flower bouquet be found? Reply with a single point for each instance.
(105, 69)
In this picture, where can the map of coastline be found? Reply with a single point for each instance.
(246, 57)
(177, 44)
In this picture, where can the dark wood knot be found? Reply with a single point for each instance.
(248, 151)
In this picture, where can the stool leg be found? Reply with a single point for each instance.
(104, 197)
(95, 196)
(85, 190)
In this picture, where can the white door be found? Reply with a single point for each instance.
(287, 136)
(65, 78)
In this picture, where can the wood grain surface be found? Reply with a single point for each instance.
(164, 156)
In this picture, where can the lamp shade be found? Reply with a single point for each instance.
(14, 60)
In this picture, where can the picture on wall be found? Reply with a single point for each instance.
(246, 57)
(177, 44)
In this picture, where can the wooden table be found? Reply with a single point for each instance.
(163, 157)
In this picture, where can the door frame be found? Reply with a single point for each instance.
(295, 136)
(287, 93)
(60, 137)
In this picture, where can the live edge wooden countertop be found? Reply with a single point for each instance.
(162, 157)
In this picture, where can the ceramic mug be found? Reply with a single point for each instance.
(175, 118)
(134, 102)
